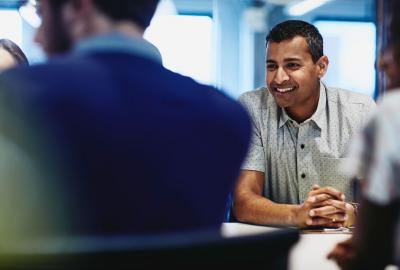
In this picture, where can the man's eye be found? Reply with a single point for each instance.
(271, 67)
(293, 66)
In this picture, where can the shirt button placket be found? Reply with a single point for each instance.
(302, 166)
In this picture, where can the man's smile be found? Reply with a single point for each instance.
(283, 89)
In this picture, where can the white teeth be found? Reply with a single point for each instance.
(283, 90)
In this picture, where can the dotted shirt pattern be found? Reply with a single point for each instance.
(295, 156)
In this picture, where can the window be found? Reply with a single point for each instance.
(351, 49)
(185, 44)
(11, 25)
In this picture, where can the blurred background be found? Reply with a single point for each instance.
(222, 42)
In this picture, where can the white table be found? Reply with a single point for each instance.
(308, 254)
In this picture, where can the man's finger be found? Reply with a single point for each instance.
(344, 206)
(315, 187)
(341, 205)
(318, 198)
(336, 194)
(324, 211)
(318, 221)
(337, 217)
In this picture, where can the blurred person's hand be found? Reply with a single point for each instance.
(343, 254)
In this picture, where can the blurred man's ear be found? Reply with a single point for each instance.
(322, 66)
(76, 15)
(82, 7)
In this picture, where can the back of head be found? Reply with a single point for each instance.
(287, 30)
(138, 11)
(394, 30)
(59, 30)
(14, 51)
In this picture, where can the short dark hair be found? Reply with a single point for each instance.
(394, 31)
(15, 51)
(137, 11)
(287, 30)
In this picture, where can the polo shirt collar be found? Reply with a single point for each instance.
(319, 116)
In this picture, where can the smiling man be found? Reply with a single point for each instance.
(300, 131)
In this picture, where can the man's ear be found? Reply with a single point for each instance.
(322, 66)
(75, 14)
(82, 7)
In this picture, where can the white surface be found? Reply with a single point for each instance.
(239, 229)
(311, 251)
(308, 254)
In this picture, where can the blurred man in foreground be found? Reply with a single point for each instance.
(376, 158)
(105, 141)
(376, 154)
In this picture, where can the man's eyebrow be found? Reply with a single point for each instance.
(291, 59)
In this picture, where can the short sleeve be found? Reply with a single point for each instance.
(255, 158)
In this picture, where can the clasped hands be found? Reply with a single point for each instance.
(325, 207)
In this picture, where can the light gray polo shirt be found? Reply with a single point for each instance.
(295, 156)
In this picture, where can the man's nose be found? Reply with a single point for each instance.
(281, 76)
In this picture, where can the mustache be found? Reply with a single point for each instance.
(286, 85)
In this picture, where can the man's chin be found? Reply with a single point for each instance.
(282, 102)
(283, 105)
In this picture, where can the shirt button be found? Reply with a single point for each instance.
(302, 146)
(303, 175)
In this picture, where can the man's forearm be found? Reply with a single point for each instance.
(259, 210)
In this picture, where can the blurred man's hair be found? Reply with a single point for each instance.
(394, 27)
(394, 30)
(138, 11)
(287, 30)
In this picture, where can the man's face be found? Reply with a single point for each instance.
(292, 77)
(391, 67)
(52, 35)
